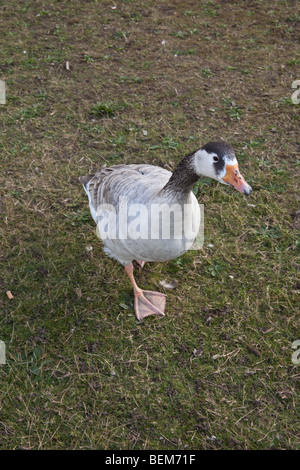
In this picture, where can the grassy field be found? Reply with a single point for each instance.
(113, 82)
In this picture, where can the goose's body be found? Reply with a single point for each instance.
(145, 212)
(142, 185)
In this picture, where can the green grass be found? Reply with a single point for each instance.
(148, 82)
(106, 109)
(233, 109)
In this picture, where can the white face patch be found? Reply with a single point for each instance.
(204, 164)
(230, 160)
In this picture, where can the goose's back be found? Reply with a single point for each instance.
(137, 182)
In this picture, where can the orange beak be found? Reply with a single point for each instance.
(234, 177)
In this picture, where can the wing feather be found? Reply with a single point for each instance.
(138, 182)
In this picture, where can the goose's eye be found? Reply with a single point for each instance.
(216, 158)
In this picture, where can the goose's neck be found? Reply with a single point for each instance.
(183, 177)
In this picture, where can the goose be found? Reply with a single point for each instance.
(148, 214)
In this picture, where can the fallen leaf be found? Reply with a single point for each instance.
(168, 284)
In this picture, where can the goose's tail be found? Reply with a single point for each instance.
(84, 180)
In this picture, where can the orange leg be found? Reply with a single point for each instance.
(141, 263)
(146, 302)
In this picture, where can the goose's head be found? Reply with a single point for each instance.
(217, 160)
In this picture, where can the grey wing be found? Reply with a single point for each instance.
(138, 182)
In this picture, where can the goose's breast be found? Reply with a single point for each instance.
(157, 231)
